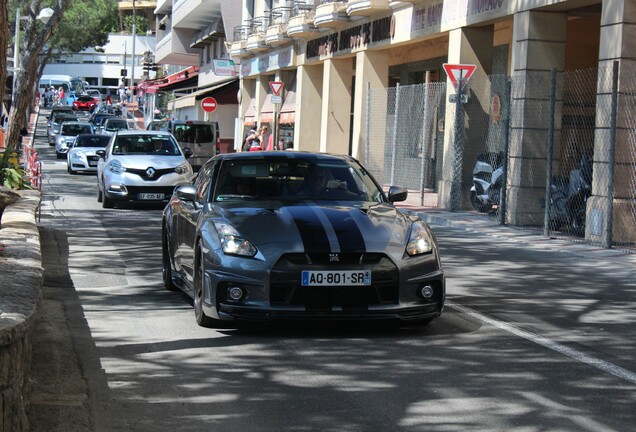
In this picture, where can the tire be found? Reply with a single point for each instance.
(166, 264)
(107, 202)
(99, 194)
(199, 315)
(478, 205)
(70, 171)
(59, 155)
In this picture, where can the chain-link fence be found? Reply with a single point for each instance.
(544, 150)
(406, 137)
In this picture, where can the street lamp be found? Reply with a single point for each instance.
(44, 16)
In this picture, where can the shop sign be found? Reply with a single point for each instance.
(224, 67)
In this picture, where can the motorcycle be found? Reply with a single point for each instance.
(487, 181)
(568, 198)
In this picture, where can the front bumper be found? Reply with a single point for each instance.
(131, 187)
(278, 293)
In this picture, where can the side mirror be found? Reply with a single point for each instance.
(186, 193)
(397, 193)
(101, 153)
(187, 152)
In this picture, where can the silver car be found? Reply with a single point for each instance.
(82, 154)
(111, 125)
(292, 235)
(69, 130)
(141, 166)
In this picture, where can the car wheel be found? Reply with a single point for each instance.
(70, 171)
(107, 202)
(99, 194)
(202, 319)
(59, 155)
(166, 265)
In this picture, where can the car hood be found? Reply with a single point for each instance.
(88, 151)
(145, 161)
(341, 227)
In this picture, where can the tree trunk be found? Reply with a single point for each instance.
(34, 41)
(4, 36)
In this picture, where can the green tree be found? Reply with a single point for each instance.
(141, 24)
(74, 25)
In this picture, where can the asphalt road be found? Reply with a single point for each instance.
(535, 337)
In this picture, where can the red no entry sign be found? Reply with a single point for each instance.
(208, 104)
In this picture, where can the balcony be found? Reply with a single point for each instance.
(331, 14)
(238, 47)
(277, 30)
(195, 14)
(367, 7)
(256, 38)
(301, 23)
(174, 48)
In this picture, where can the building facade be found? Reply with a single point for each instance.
(331, 55)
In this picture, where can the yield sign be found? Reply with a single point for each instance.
(459, 74)
(276, 86)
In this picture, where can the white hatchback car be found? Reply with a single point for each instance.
(141, 166)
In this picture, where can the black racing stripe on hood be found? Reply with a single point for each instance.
(347, 230)
(311, 230)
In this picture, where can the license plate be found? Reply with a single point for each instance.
(92, 164)
(336, 278)
(150, 196)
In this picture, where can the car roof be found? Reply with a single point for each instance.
(142, 133)
(78, 123)
(283, 154)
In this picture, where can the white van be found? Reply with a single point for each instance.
(199, 136)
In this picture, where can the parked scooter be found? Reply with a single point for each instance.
(487, 181)
(568, 198)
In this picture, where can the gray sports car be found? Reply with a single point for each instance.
(294, 235)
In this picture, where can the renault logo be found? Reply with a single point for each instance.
(150, 172)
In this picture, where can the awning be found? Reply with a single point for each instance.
(249, 119)
(207, 35)
(218, 90)
(267, 111)
(288, 110)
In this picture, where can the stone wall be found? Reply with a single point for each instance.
(21, 275)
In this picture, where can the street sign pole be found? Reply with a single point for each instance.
(458, 146)
(277, 87)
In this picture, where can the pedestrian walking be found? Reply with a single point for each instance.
(109, 100)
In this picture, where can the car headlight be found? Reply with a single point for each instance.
(232, 242)
(420, 241)
(77, 155)
(116, 167)
(182, 169)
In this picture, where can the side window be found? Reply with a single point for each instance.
(202, 181)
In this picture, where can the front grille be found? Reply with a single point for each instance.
(286, 289)
(93, 158)
(158, 172)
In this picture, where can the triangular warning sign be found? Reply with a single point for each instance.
(459, 74)
(276, 86)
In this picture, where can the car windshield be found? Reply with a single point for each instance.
(85, 99)
(161, 145)
(75, 129)
(193, 133)
(64, 118)
(294, 180)
(115, 125)
(92, 141)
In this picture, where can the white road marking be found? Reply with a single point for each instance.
(608, 367)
